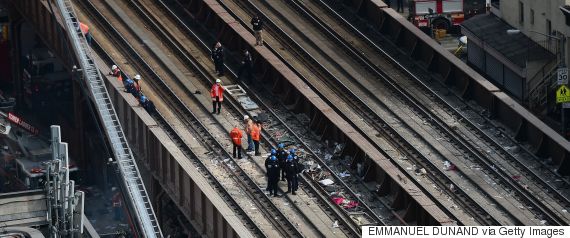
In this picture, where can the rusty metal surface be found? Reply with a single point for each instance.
(467, 83)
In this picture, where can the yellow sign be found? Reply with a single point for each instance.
(563, 94)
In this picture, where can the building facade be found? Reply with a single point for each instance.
(519, 46)
(544, 16)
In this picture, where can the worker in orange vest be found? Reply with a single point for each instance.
(85, 30)
(115, 71)
(236, 136)
(217, 94)
(248, 125)
(256, 136)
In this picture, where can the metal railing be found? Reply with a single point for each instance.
(133, 184)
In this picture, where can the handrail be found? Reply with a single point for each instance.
(132, 182)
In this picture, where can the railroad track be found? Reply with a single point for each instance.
(507, 164)
(400, 118)
(388, 131)
(277, 122)
(216, 151)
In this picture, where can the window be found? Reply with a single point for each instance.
(548, 27)
(521, 13)
(531, 16)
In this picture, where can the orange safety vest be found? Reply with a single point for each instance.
(219, 93)
(120, 78)
(84, 28)
(236, 135)
(255, 133)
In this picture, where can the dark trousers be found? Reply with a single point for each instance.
(273, 179)
(292, 183)
(238, 148)
(219, 66)
(88, 38)
(256, 148)
(283, 175)
(118, 213)
(245, 73)
(400, 6)
(215, 102)
(249, 143)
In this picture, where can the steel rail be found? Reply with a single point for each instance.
(169, 39)
(257, 99)
(276, 217)
(383, 127)
(451, 133)
(243, 178)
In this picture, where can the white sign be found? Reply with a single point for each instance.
(466, 231)
(562, 76)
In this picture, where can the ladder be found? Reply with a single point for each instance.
(136, 192)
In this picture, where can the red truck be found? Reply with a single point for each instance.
(436, 14)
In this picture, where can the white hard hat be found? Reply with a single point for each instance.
(218, 81)
(245, 117)
(113, 67)
(463, 40)
(138, 77)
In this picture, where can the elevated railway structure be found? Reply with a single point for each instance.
(350, 75)
(183, 148)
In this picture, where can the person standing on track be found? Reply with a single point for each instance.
(267, 161)
(248, 126)
(400, 4)
(257, 26)
(298, 166)
(246, 68)
(282, 158)
(218, 58)
(256, 136)
(291, 174)
(273, 175)
(217, 94)
(236, 136)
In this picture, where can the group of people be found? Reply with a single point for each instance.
(252, 129)
(279, 162)
(245, 71)
(133, 87)
(284, 163)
